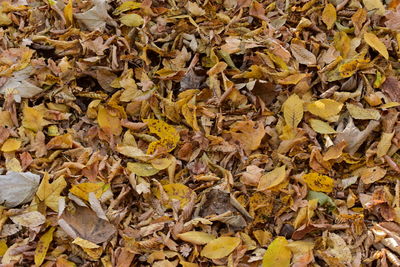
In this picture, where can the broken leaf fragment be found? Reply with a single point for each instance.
(82, 190)
(277, 254)
(319, 182)
(220, 247)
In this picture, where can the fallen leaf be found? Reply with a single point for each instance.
(373, 41)
(360, 113)
(373, 174)
(272, 178)
(95, 18)
(302, 55)
(18, 188)
(325, 108)
(49, 193)
(248, 133)
(197, 238)
(11, 145)
(293, 111)
(384, 144)
(169, 137)
(277, 254)
(375, 5)
(82, 190)
(132, 20)
(319, 182)
(329, 16)
(321, 127)
(43, 246)
(220, 247)
(29, 219)
(142, 169)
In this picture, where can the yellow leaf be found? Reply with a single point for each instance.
(62, 262)
(293, 79)
(220, 247)
(371, 175)
(293, 111)
(248, 133)
(272, 178)
(384, 144)
(197, 238)
(68, 12)
(373, 41)
(318, 182)
(64, 141)
(4, 19)
(161, 163)
(142, 169)
(325, 108)
(94, 251)
(10, 145)
(178, 192)
(375, 5)
(321, 127)
(3, 247)
(263, 237)
(49, 193)
(33, 119)
(329, 15)
(126, 6)
(360, 113)
(82, 190)
(169, 137)
(108, 122)
(132, 20)
(277, 254)
(43, 245)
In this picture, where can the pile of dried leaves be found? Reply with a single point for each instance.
(199, 133)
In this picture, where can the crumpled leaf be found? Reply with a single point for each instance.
(302, 55)
(49, 193)
(17, 188)
(220, 247)
(329, 15)
(43, 246)
(197, 238)
(248, 133)
(19, 84)
(319, 182)
(338, 248)
(373, 41)
(95, 18)
(293, 111)
(353, 136)
(277, 254)
(169, 137)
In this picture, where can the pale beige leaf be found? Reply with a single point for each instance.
(302, 55)
(293, 111)
(373, 41)
(384, 144)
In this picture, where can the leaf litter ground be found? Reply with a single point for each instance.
(199, 133)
